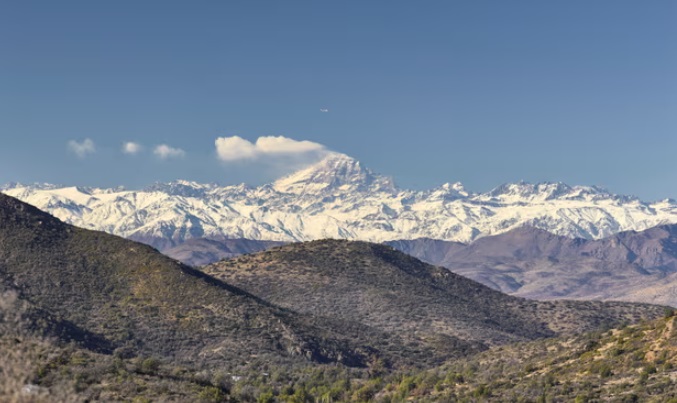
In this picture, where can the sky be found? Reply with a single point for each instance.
(481, 92)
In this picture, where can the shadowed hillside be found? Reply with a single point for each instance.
(134, 301)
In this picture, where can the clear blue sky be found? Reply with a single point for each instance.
(482, 92)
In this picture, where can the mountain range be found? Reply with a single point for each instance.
(329, 300)
(203, 251)
(639, 266)
(631, 266)
(99, 317)
(119, 296)
(339, 198)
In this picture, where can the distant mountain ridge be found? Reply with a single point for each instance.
(533, 263)
(339, 198)
(203, 251)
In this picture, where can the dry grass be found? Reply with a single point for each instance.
(425, 305)
(21, 354)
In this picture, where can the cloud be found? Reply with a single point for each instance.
(83, 148)
(284, 145)
(236, 148)
(131, 148)
(163, 151)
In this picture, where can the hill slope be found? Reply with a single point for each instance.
(632, 364)
(136, 301)
(162, 320)
(377, 285)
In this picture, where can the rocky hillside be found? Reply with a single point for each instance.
(86, 316)
(117, 296)
(426, 305)
(631, 364)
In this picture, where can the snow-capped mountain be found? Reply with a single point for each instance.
(339, 198)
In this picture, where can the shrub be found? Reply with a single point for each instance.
(149, 366)
(211, 394)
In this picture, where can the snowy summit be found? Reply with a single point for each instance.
(339, 198)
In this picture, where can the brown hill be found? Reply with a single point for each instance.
(132, 300)
(143, 326)
(426, 305)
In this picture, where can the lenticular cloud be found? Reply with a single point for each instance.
(236, 148)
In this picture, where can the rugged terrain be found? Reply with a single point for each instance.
(630, 266)
(636, 266)
(85, 315)
(426, 305)
(113, 295)
(632, 364)
(339, 198)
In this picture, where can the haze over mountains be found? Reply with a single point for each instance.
(339, 198)
(203, 251)
(528, 262)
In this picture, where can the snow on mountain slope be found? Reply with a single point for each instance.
(339, 198)
(335, 173)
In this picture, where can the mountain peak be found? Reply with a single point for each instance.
(35, 185)
(450, 191)
(337, 197)
(180, 187)
(526, 191)
(335, 172)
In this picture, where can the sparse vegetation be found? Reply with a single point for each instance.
(441, 314)
(87, 316)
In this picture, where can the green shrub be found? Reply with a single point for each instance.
(149, 365)
(267, 397)
(211, 394)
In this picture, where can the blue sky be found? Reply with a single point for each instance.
(482, 92)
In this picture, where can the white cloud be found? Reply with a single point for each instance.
(163, 151)
(284, 145)
(236, 148)
(131, 148)
(81, 149)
